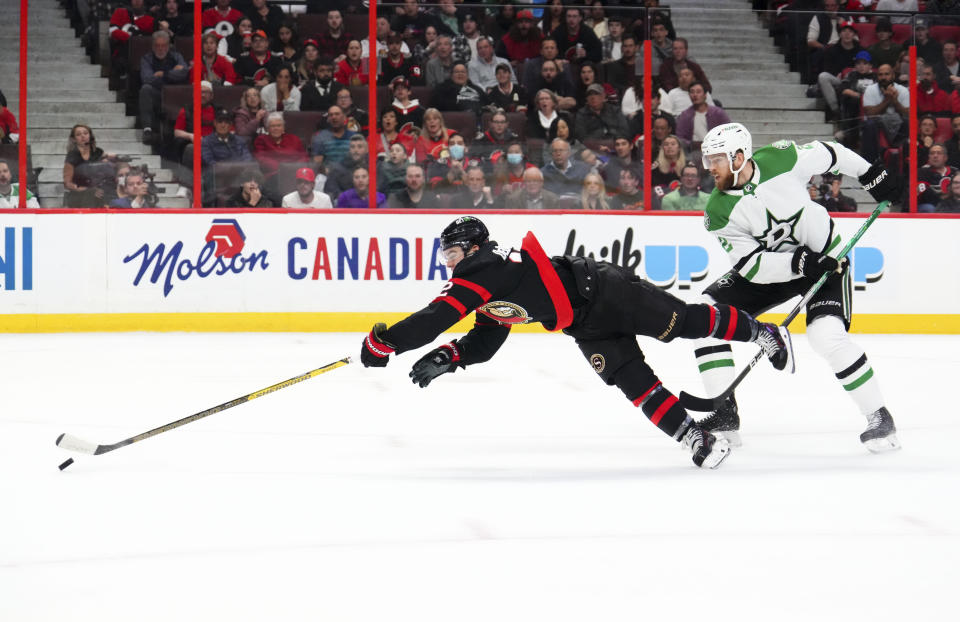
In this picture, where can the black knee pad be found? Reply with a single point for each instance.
(607, 356)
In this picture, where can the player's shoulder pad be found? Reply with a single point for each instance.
(719, 207)
(776, 159)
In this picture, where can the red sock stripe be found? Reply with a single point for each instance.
(660, 412)
(480, 290)
(453, 302)
(713, 320)
(640, 399)
(732, 327)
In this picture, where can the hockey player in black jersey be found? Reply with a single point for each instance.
(601, 305)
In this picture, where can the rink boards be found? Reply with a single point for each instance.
(341, 271)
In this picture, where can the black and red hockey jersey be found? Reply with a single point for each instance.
(123, 23)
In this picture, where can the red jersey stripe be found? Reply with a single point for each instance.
(561, 303)
(480, 290)
(453, 302)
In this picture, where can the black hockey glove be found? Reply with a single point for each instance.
(376, 352)
(812, 264)
(881, 183)
(436, 363)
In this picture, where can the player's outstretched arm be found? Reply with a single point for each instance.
(376, 351)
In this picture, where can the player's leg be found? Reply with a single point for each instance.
(828, 323)
(619, 362)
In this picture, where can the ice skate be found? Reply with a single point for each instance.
(724, 422)
(708, 450)
(776, 344)
(881, 433)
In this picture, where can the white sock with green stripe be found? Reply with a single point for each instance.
(847, 360)
(716, 365)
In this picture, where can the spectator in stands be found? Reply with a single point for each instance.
(661, 129)
(136, 193)
(358, 153)
(475, 193)
(398, 65)
(223, 145)
(332, 143)
(10, 192)
(630, 196)
(897, 6)
(521, 42)
(950, 204)
(357, 119)
(251, 191)
(553, 79)
(249, 117)
(532, 195)
(434, 136)
(161, 66)
(610, 42)
(408, 110)
(622, 73)
(587, 75)
(448, 173)
(852, 88)
(533, 67)
(599, 119)
(447, 19)
(948, 69)
(497, 137)
(171, 20)
(340, 174)
(82, 189)
(670, 160)
(933, 179)
(335, 41)
(239, 42)
(564, 128)
(823, 29)
(286, 46)
(542, 114)
(885, 106)
(837, 58)
(411, 23)
(383, 32)
(694, 122)
(351, 70)
(931, 98)
(306, 196)
(884, 51)
(414, 194)
(9, 130)
(553, 17)
(266, 17)
(216, 69)
(259, 66)
(359, 195)
(576, 41)
(124, 23)
(593, 195)
(424, 53)
(506, 94)
(687, 196)
(458, 93)
(662, 45)
(926, 134)
(596, 18)
(483, 67)
(678, 99)
(274, 148)
(438, 69)
(668, 70)
(832, 198)
(306, 66)
(392, 171)
(621, 158)
(281, 94)
(321, 92)
(953, 144)
(469, 36)
(508, 170)
(563, 174)
(928, 49)
(212, 18)
(183, 126)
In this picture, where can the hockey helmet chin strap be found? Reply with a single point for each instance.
(736, 172)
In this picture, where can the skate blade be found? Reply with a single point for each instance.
(785, 334)
(721, 449)
(883, 445)
(731, 436)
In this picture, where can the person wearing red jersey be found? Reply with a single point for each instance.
(222, 12)
(124, 23)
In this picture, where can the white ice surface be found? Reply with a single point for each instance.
(519, 490)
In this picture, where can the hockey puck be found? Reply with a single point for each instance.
(68, 462)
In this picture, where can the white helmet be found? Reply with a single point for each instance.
(728, 139)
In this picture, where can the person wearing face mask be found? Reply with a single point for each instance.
(449, 173)
(508, 168)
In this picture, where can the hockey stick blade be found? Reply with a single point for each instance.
(73, 443)
(708, 404)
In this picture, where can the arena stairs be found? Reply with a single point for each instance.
(751, 78)
(65, 88)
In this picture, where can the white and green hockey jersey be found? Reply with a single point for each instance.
(14, 199)
(763, 222)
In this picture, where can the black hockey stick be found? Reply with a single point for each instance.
(72, 443)
(708, 404)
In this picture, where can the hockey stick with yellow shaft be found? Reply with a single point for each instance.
(72, 443)
(707, 404)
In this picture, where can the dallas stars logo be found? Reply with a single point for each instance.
(779, 232)
(748, 188)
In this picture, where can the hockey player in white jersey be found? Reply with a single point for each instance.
(780, 243)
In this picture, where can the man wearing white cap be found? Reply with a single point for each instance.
(305, 195)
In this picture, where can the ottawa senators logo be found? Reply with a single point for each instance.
(598, 362)
(505, 312)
